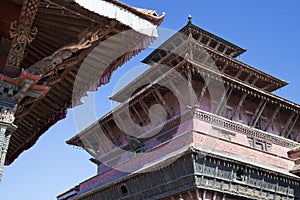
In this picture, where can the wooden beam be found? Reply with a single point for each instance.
(222, 101)
(225, 49)
(255, 80)
(273, 117)
(200, 38)
(202, 93)
(209, 41)
(137, 113)
(224, 67)
(144, 107)
(267, 87)
(204, 194)
(215, 196)
(257, 112)
(178, 93)
(238, 108)
(110, 133)
(248, 78)
(292, 126)
(190, 86)
(239, 73)
(226, 100)
(217, 46)
(224, 197)
(169, 111)
(198, 195)
(287, 124)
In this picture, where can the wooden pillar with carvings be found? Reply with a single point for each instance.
(12, 90)
(8, 95)
(6, 128)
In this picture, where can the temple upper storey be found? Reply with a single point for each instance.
(240, 100)
(179, 81)
(195, 96)
(216, 50)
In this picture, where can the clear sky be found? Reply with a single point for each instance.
(268, 29)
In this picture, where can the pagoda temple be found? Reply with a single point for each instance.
(198, 124)
(43, 44)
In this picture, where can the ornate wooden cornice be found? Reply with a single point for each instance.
(221, 61)
(56, 56)
(212, 41)
(251, 132)
(215, 73)
(193, 112)
(193, 171)
(46, 66)
(7, 116)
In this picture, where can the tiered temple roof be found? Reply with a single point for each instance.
(252, 89)
(196, 98)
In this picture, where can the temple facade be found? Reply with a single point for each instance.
(198, 124)
(45, 45)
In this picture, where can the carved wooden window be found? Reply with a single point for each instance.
(123, 190)
(240, 175)
(138, 151)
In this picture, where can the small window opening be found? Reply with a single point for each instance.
(240, 175)
(124, 190)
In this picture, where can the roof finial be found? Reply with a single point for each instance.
(190, 18)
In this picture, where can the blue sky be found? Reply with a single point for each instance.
(269, 30)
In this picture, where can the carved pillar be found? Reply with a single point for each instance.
(192, 97)
(6, 128)
(8, 100)
(11, 92)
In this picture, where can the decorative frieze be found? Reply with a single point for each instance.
(243, 129)
(45, 67)
(223, 175)
(7, 116)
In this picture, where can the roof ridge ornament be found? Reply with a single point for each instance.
(190, 19)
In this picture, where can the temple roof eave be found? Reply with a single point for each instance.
(238, 50)
(24, 116)
(123, 94)
(245, 67)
